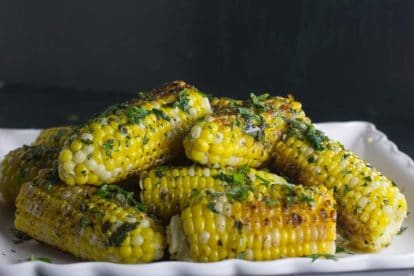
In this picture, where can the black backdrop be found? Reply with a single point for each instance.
(345, 60)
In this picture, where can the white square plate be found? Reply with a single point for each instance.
(361, 137)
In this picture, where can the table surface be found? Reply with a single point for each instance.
(24, 106)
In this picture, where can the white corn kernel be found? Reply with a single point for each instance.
(206, 172)
(195, 132)
(220, 222)
(79, 157)
(86, 136)
(137, 240)
(204, 237)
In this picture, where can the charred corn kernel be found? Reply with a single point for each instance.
(221, 103)
(166, 190)
(22, 165)
(55, 136)
(132, 137)
(371, 208)
(240, 133)
(99, 224)
(255, 230)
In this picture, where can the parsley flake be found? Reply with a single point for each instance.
(40, 259)
(323, 256)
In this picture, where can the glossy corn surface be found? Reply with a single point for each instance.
(132, 137)
(237, 136)
(292, 222)
(99, 224)
(371, 208)
(22, 165)
(54, 137)
(165, 191)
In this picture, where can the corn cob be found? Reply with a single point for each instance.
(22, 165)
(99, 224)
(54, 137)
(371, 208)
(241, 135)
(166, 190)
(291, 222)
(132, 137)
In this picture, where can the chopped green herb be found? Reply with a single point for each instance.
(239, 193)
(123, 129)
(290, 200)
(367, 178)
(40, 259)
(347, 188)
(96, 212)
(121, 233)
(183, 101)
(161, 114)
(135, 114)
(249, 114)
(315, 137)
(311, 159)
(160, 171)
(239, 226)
(307, 199)
(145, 140)
(212, 206)
(263, 180)
(19, 235)
(83, 222)
(257, 101)
(86, 141)
(110, 110)
(119, 195)
(300, 129)
(89, 156)
(213, 194)
(271, 202)
(340, 249)
(195, 193)
(223, 177)
(323, 256)
(108, 147)
(402, 230)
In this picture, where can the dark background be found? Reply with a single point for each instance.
(60, 61)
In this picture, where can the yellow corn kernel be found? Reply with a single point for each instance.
(95, 228)
(371, 209)
(194, 235)
(134, 136)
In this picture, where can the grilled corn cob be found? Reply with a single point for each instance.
(132, 137)
(22, 165)
(238, 136)
(99, 224)
(291, 222)
(371, 208)
(54, 137)
(166, 190)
